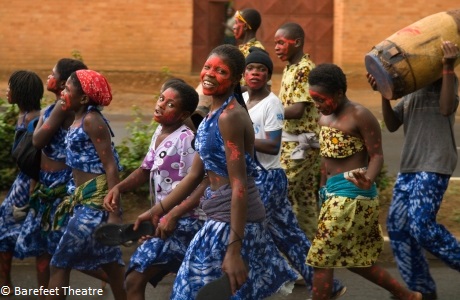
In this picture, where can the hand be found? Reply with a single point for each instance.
(111, 200)
(166, 227)
(371, 81)
(236, 270)
(20, 213)
(451, 53)
(148, 215)
(359, 178)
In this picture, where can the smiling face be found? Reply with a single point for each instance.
(284, 46)
(72, 97)
(216, 77)
(168, 109)
(256, 76)
(325, 102)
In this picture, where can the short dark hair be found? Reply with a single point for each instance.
(26, 90)
(188, 96)
(294, 31)
(253, 18)
(66, 66)
(329, 76)
(170, 81)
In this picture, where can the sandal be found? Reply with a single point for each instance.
(111, 234)
(218, 289)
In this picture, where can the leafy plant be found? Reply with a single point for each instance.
(8, 116)
(133, 148)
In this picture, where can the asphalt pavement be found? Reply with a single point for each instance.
(448, 283)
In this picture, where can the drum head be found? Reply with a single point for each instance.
(374, 66)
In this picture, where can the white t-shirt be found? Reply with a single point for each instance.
(267, 115)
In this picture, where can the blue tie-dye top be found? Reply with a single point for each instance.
(210, 145)
(56, 147)
(80, 151)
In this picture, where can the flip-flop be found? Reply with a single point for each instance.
(218, 289)
(111, 234)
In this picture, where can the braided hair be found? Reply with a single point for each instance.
(236, 62)
(26, 90)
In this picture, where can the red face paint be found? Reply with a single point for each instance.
(51, 84)
(256, 76)
(238, 29)
(283, 45)
(168, 108)
(325, 103)
(215, 76)
(234, 151)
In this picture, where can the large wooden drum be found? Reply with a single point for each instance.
(412, 57)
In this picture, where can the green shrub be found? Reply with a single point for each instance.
(133, 148)
(8, 118)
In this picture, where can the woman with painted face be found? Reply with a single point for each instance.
(234, 233)
(349, 234)
(95, 165)
(36, 239)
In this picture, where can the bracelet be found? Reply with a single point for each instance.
(235, 241)
(237, 235)
(162, 207)
(447, 72)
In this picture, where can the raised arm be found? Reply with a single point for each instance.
(447, 100)
(392, 121)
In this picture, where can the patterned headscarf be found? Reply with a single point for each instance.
(95, 86)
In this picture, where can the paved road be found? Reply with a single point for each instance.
(358, 289)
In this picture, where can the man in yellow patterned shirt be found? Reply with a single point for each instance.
(299, 151)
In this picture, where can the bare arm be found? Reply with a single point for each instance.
(271, 144)
(186, 186)
(136, 179)
(45, 130)
(296, 110)
(233, 127)
(389, 116)
(448, 94)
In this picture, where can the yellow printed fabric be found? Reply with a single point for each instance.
(335, 143)
(294, 89)
(349, 233)
(244, 48)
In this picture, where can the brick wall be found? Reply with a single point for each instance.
(110, 34)
(359, 25)
(148, 35)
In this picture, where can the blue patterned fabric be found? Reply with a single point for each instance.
(55, 149)
(80, 151)
(268, 271)
(78, 249)
(35, 237)
(412, 227)
(9, 229)
(168, 254)
(210, 145)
